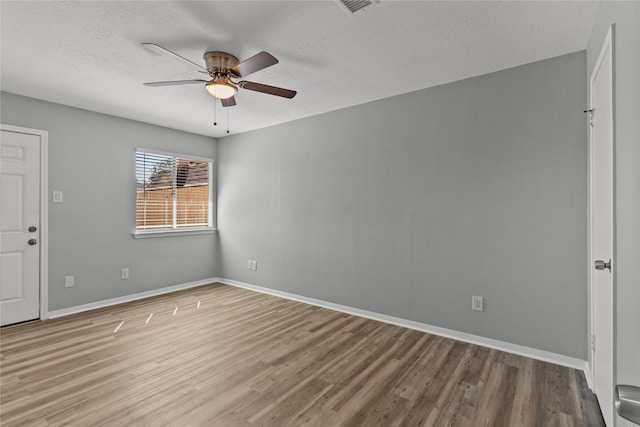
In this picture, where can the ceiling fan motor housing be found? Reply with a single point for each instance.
(219, 62)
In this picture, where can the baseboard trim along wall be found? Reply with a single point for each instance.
(520, 350)
(128, 298)
(533, 353)
(588, 374)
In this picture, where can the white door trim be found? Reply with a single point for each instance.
(44, 212)
(607, 45)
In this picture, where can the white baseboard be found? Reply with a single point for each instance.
(533, 353)
(588, 375)
(520, 350)
(127, 298)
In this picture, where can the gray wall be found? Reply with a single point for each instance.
(626, 17)
(92, 160)
(410, 205)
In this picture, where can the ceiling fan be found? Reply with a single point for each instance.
(223, 67)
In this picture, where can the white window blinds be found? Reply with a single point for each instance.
(173, 192)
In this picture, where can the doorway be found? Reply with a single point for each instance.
(23, 239)
(602, 227)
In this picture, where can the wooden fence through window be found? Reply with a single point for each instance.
(154, 208)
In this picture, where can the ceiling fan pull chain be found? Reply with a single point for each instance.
(227, 120)
(215, 114)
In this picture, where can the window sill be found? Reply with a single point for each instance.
(167, 233)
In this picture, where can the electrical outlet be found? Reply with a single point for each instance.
(68, 281)
(125, 274)
(477, 303)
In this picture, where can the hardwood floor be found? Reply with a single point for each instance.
(222, 356)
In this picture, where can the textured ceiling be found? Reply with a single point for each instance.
(87, 54)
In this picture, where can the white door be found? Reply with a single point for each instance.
(602, 232)
(20, 227)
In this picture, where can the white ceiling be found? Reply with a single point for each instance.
(87, 54)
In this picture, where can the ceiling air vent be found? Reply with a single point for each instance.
(352, 6)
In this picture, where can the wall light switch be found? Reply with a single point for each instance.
(254, 265)
(125, 274)
(249, 265)
(477, 303)
(68, 281)
(57, 197)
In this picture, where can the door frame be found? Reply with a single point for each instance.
(607, 44)
(44, 212)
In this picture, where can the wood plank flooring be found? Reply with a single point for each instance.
(222, 356)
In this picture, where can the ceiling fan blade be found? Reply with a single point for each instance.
(175, 82)
(229, 102)
(255, 63)
(271, 90)
(159, 49)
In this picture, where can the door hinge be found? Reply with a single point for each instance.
(591, 112)
(593, 343)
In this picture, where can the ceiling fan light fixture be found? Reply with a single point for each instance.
(221, 89)
(222, 67)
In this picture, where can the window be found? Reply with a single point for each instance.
(174, 194)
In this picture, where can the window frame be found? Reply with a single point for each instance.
(142, 234)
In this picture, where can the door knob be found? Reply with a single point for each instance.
(33, 229)
(628, 402)
(32, 242)
(601, 265)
